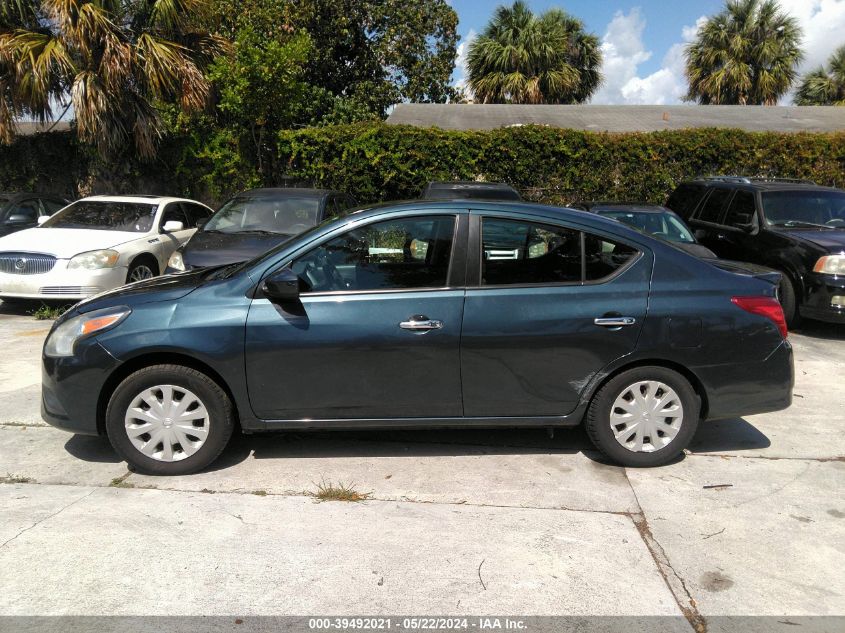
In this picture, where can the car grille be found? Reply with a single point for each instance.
(59, 291)
(26, 263)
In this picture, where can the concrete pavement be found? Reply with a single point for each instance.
(751, 522)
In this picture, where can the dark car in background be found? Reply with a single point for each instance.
(404, 316)
(20, 211)
(255, 221)
(795, 227)
(461, 189)
(654, 220)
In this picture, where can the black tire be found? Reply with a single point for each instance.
(788, 301)
(221, 418)
(144, 262)
(597, 420)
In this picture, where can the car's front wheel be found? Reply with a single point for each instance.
(169, 420)
(645, 416)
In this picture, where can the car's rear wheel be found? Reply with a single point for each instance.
(169, 420)
(644, 416)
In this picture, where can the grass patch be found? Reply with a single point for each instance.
(259, 493)
(327, 491)
(120, 482)
(15, 479)
(49, 313)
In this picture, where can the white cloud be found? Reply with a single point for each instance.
(461, 62)
(823, 22)
(623, 50)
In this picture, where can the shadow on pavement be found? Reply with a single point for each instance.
(92, 449)
(819, 330)
(719, 436)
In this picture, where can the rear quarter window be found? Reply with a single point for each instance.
(684, 199)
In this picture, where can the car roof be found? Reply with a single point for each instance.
(634, 207)
(761, 184)
(290, 191)
(138, 198)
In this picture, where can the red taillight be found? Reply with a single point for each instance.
(768, 307)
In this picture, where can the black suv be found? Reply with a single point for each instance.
(793, 226)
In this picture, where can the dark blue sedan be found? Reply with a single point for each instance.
(425, 315)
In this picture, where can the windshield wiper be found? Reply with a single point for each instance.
(802, 224)
(260, 232)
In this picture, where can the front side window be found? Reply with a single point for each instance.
(741, 211)
(266, 213)
(28, 210)
(173, 213)
(515, 252)
(135, 217)
(805, 208)
(398, 254)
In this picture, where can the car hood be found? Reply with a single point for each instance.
(207, 248)
(64, 243)
(165, 288)
(832, 241)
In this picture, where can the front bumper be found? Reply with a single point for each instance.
(61, 283)
(71, 387)
(820, 290)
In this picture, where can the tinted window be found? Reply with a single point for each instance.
(195, 213)
(51, 206)
(516, 252)
(173, 213)
(684, 199)
(392, 255)
(805, 207)
(273, 213)
(741, 210)
(29, 209)
(603, 257)
(714, 205)
(136, 217)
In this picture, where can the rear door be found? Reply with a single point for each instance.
(737, 237)
(551, 306)
(707, 219)
(376, 332)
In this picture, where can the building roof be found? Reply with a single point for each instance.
(621, 118)
(27, 128)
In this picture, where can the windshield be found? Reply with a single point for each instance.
(104, 215)
(805, 208)
(664, 225)
(272, 214)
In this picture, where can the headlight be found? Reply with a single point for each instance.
(831, 264)
(62, 340)
(176, 262)
(93, 260)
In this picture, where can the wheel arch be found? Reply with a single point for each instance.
(145, 256)
(689, 375)
(157, 358)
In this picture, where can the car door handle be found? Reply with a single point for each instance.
(621, 321)
(421, 323)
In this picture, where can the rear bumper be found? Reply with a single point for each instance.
(820, 290)
(742, 389)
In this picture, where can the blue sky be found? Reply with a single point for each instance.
(643, 40)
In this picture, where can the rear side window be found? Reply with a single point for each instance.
(521, 253)
(714, 206)
(684, 199)
(741, 210)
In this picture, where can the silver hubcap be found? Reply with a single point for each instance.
(646, 416)
(167, 423)
(141, 272)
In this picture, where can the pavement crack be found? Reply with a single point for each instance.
(679, 590)
(40, 521)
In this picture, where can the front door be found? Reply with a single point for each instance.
(553, 306)
(376, 332)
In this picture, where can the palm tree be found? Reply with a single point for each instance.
(114, 61)
(523, 58)
(747, 55)
(824, 86)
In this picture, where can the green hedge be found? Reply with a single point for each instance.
(382, 162)
(377, 162)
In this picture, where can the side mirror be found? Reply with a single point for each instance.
(17, 218)
(282, 285)
(42, 219)
(172, 226)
